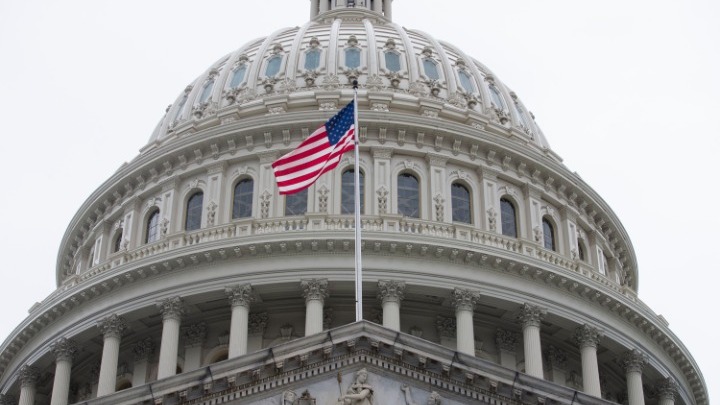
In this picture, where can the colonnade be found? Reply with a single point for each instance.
(315, 291)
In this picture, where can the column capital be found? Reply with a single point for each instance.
(28, 375)
(556, 358)
(446, 327)
(64, 349)
(240, 295)
(144, 349)
(506, 340)
(587, 336)
(257, 322)
(391, 291)
(314, 289)
(464, 300)
(667, 388)
(530, 315)
(195, 334)
(112, 326)
(172, 308)
(634, 361)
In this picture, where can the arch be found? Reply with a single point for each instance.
(123, 383)
(548, 232)
(152, 226)
(296, 204)
(216, 354)
(193, 211)
(347, 193)
(408, 195)
(508, 217)
(243, 198)
(461, 203)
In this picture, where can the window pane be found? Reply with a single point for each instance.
(296, 204)
(347, 203)
(508, 218)
(581, 250)
(523, 117)
(548, 235)
(466, 81)
(392, 61)
(238, 76)
(312, 59)
(273, 66)
(352, 58)
(207, 91)
(408, 196)
(194, 212)
(152, 230)
(431, 70)
(496, 98)
(178, 112)
(460, 203)
(118, 242)
(243, 198)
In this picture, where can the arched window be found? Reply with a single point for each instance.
(497, 98)
(431, 70)
(312, 59)
(238, 76)
(461, 205)
(508, 218)
(273, 66)
(581, 250)
(206, 91)
(523, 118)
(193, 212)
(408, 195)
(392, 61)
(117, 243)
(296, 204)
(152, 227)
(466, 81)
(180, 107)
(352, 58)
(243, 199)
(347, 200)
(548, 234)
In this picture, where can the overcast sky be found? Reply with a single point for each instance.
(625, 91)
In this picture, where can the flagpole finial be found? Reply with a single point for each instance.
(355, 84)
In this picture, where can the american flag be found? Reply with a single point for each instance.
(318, 154)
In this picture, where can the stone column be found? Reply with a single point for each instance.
(667, 388)
(240, 298)
(64, 350)
(111, 328)
(142, 351)
(587, 338)
(464, 302)
(634, 361)
(314, 292)
(172, 312)
(557, 362)
(506, 343)
(530, 317)
(391, 293)
(28, 376)
(194, 336)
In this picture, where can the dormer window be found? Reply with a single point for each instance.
(392, 61)
(497, 99)
(431, 70)
(273, 66)
(206, 91)
(466, 82)
(238, 76)
(312, 59)
(352, 58)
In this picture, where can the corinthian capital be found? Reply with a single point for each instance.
(112, 326)
(464, 300)
(314, 289)
(171, 308)
(667, 388)
(391, 290)
(634, 361)
(588, 336)
(64, 349)
(240, 295)
(530, 315)
(28, 375)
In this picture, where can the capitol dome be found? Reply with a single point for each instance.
(491, 272)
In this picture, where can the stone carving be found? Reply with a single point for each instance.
(667, 388)
(464, 299)
(587, 336)
(394, 78)
(265, 204)
(374, 82)
(457, 100)
(382, 107)
(359, 392)
(171, 308)
(328, 316)
(416, 331)
(289, 397)
(446, 327)
(391, 290)
(269, 84)
(64, 349)
(323, 198)
(538, 233)
(433, 399)
(530, 315)
(382, 194)
(506, 340)
(211, 208)
(240, 295)
(328, 105)
(555, 357)
(331, 82)
(164, 226)
(144, 349)
(195, 334)
(492, 219)
(112, 326)
(258, 322)
(314, 289)
(289, 85)
(439, 207)
(418, 89)
(634, 361)
(28, 375)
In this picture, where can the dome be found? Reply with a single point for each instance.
(491, 272)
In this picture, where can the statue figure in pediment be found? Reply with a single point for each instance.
(359, 392)
(433, 399)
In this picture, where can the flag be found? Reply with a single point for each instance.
(318, 154)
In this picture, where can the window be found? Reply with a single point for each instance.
(296, 204)
(152, 227)
(548, 234)
(347, 200)
(392, 61)
(603, 264)
(352, 58)
(238, 76)
(466, 81)
(431, 70)
(312, 59)
(496, 98)
(243, 199)
(91, 257)
(523, 117)
(508, 218)
(193, 212)
(206, 91)
(461, 206)
(117, 243)
(180, 107)
(273, 66)
(408, 195)
(581, 250)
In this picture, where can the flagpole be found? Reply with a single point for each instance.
(358, 224)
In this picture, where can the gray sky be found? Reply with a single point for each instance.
(625, 91)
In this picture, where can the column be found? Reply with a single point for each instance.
(530, 317)
(391, 293)
(506, 343)
(28, 376)
(64, 350)
(194, 336)
(314, 292)
(667, 388)
(240, 298)
(314, 5)
(464, 302)
(634, 361)
(111, 328)
(587, 338)
(557, 362)
(172, 312)
(142, 351)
